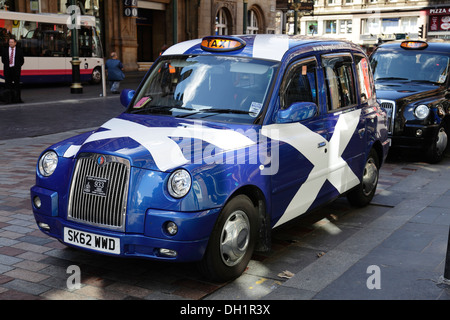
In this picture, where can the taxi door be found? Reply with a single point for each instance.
(302, 141)
(312, 150)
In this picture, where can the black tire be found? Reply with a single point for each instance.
(96, 76)
(363, 193)
(436, 151)
(232, 241)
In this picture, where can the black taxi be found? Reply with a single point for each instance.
(412, 84)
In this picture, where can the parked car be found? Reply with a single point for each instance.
(412, 84)
(225, 139)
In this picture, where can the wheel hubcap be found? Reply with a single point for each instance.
(370, 177)
(234, 238)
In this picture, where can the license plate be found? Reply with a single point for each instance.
(92, 241)
(96, 186)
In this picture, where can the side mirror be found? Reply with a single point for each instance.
(125, 96)
(297, 111)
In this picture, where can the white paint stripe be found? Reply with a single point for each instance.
(270, 47)
(327, 166)
(182, 47)
(157, 140)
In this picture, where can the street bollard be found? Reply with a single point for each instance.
(447, 260)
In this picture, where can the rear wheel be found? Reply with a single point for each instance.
(362, 194)
(232, 241)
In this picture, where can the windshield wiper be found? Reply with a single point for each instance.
(157, 110)
(391, 78)
(217, 110)
(427, 81)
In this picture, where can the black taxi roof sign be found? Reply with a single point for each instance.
(222, 43)
(414, 45)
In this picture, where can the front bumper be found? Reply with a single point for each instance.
(415, 137)
(189, 244)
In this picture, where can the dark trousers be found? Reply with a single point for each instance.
(12, 81)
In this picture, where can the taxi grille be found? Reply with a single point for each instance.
(99, 190)
(389, 106)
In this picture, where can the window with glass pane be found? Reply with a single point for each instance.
(408, 24)
(389, 25)
(345, 26)
(330, 26)
(338, 71)
(364, 77)
(221, 23)
(252, 21)
(300, 84)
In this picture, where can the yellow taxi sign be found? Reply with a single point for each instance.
(222, 43)
(414, 45)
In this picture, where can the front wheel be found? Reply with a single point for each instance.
(232, 241)
(436, 151)
(363, 193)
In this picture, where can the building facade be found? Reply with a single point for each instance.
(369, 22)
(138, 35)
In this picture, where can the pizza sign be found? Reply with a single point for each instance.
(439, 19)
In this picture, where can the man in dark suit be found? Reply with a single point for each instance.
(12, 59)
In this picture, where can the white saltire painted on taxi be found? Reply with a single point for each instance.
(327, 165)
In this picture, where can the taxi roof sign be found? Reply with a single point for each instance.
(411, 45)
(222, 43)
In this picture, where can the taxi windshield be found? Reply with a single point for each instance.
(218, 88)
(414, 66)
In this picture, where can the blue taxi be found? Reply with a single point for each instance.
(226, 138)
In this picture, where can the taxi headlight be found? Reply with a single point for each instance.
(421, 111)
(179, 183)
(48, 163)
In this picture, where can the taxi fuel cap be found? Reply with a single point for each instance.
(222, 43)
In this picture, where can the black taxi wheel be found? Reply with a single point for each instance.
(437, 148)
(363, 193)
(232, 241)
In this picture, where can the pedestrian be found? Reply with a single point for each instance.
(13, 60)
(114, 68)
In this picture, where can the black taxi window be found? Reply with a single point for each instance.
(339, 80)
(414, 66)
(300, 84)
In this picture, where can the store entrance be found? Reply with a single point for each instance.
(145, 43)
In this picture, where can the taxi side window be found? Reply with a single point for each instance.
(339, 80)
(364, 78)
(300, 84)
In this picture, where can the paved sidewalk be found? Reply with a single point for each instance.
(406, 247)
(35, 94)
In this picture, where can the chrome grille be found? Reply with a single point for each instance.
(104, 206)
(389, 106)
